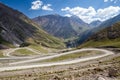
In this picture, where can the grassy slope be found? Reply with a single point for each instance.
(24, 29)
(1, 54)
(73, 56)
(47, 40)
(107, 37)
(23, 52)
(39, 48)
(102, 43)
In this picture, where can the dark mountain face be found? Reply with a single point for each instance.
(16, 28)
(56, 25)
(62, 27)
(95, 23)
(78, 25)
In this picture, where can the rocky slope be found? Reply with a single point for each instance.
(111, 32)
(62, 27)
(17, 29)
(107, 37)
(104, 34)
(108, 23)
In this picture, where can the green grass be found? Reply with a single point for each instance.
(102, 43)
(23, 52)
(39, 48)
(73, 56)
(117, 58)
(105, 37)
(1, 54)
(48, 40)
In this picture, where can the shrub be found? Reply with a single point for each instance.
(113, 73)
(24, 44)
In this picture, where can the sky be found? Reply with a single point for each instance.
(87, 10)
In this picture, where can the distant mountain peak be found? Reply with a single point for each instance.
(55, 14)
(74, 16)
(61, 26)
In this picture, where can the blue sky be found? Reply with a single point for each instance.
(87, 10)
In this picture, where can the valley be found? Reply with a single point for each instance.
(59, 47)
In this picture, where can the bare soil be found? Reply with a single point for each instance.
(107, 68)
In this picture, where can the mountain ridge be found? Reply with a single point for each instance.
(60, 26)
(95, 23)
(16, 28)
(107, 37)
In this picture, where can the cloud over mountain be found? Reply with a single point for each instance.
(90, 14)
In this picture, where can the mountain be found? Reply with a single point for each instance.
(107, 37)
(62, 27)
(108, 23)
(103, 25)
(95, 23)
(17, 29)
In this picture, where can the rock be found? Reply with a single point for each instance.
(112, 73)
(56, 77)
(100, 78)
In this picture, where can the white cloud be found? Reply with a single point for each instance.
(90, 14)
(65, 9)
(108, 12)
(114, 1)
(36, 5)
(105, 0)
(47, 7)
(68, 15)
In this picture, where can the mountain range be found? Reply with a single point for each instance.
(108, 36)
(107, 23)
(62, 27)
(17, 29)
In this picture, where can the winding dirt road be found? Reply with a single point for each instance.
(14, 66)
(7, 53)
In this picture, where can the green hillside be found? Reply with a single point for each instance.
(108, 37)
